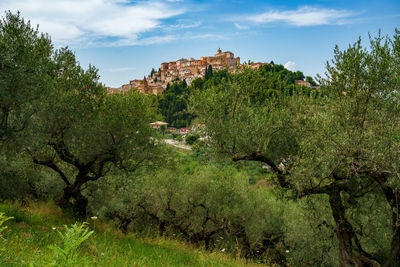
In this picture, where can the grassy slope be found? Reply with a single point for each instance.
(31, 232)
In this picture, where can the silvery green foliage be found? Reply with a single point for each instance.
(340, 141)
(24, 73)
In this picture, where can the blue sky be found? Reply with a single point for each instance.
(125, 38)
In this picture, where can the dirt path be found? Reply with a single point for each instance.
(178, 144)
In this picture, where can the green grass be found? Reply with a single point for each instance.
(29, 235)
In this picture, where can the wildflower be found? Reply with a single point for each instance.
(93, 218)
(54, 228)
(344, 93)
(287, 251)
(223, 250)
(102, 254)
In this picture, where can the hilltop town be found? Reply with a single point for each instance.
(184, 69)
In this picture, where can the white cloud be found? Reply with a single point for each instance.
(290, 65)
(76, 21)
(136, 41)
(162, 39)
(241, 27)
(183, 24)
(303, 16)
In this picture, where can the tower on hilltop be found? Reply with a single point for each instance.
(145, 84)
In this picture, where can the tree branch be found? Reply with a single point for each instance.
(53, 166)
(63, 152)
(100, 169)
(261, 158)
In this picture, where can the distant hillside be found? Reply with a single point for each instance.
(187, 70)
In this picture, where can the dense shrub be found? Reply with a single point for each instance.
(191, 139)
(206, 206)
(309, 234)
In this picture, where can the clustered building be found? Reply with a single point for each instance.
(189, 70)
(183, 69)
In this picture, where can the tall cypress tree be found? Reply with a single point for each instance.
(210, 71)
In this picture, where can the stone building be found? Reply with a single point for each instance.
(185, 69)
(146, 88)
(190, 68)
(303, 83)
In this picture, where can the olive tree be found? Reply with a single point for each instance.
(247, 123)
(205, 205)
(343, 143)
(81, 131)
(24, 73)
(351, 150)
(64, 117)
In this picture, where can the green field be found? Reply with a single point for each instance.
(34, 229)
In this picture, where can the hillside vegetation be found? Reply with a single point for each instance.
(278, 174)
(33, 231)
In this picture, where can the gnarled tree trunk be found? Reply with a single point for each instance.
(350, 251)
(73, 193)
